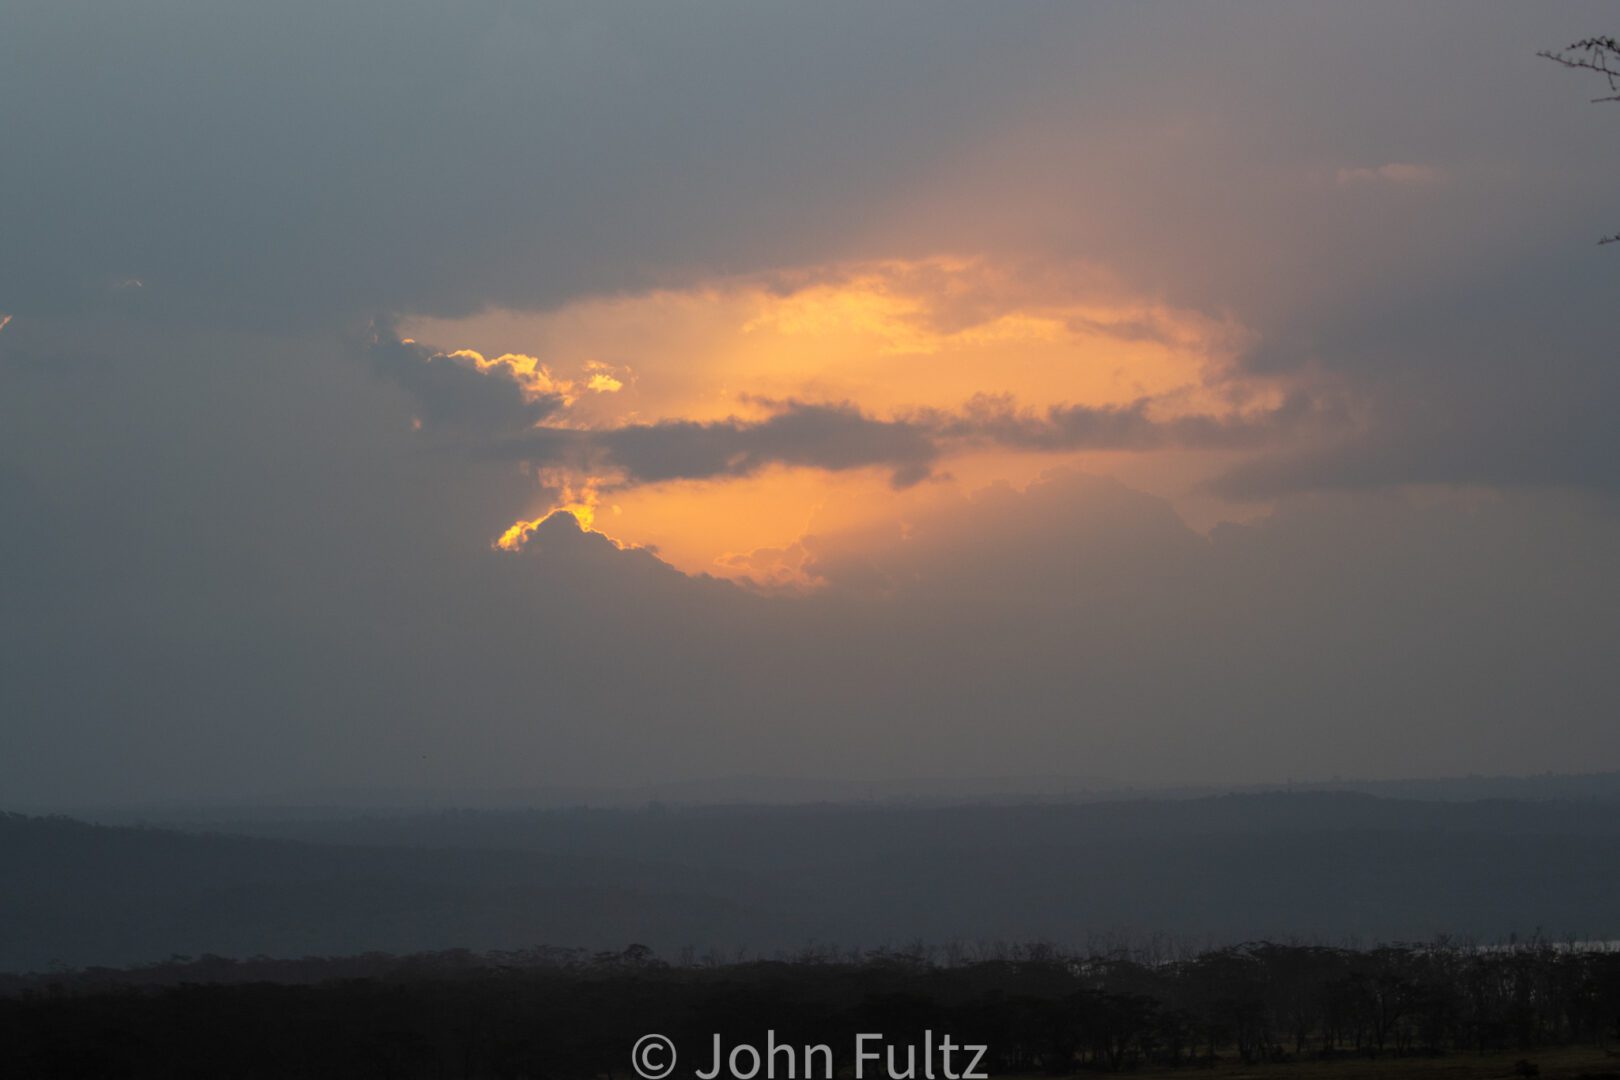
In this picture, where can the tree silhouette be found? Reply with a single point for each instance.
(1600, 55)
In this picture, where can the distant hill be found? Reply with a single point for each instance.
(803, 791)
(73, 894)
(1336, 867)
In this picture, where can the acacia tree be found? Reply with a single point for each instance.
(1600, 55)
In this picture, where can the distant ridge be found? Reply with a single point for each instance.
(1328, 866)
(788, 791)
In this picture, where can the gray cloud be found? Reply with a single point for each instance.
(491, 412)
(839, 436)
(1517, 390)
(319, 627)
(313, 164)
(833, 437)
(997, 421)
(428, 160)
(457, 398)
(227, 564)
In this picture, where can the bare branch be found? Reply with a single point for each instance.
(1599, 54)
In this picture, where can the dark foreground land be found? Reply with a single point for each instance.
(1562, 1063)
(1442, 1012)
(418, 934)
(1330, 867)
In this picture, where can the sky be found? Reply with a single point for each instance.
(413, 397)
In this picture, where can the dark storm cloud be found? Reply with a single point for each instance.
(452, 395)
(492, 411)
(1518, 391)
(314, 164)
(998, 422)
(1080, 624)
(325, 610)
(833, 437)
(839, 436)
(308, 163)
(225, 571)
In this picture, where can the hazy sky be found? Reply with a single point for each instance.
(491, 395)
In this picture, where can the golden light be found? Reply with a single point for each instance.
(891, 338)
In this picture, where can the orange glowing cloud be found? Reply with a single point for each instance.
(580, 501)
(992, 361)
(535, 378)
(886, 335)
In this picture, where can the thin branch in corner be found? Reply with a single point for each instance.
(1601, 54)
